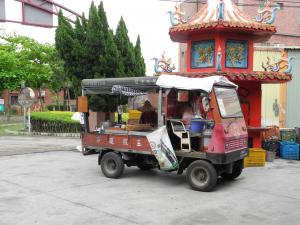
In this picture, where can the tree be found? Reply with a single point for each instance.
(90, 50)
(125, 48)
(103, 18)
(64, 42)
(94, 45)
(140, 67)
(79, 57)
(24, 59)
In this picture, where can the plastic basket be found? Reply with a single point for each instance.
(289, 150)
(288, 135)
(134, 114)
(256, 158)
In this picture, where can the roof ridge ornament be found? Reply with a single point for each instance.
(267, 14)
(163, 65)
(177, 17)
(221, 10)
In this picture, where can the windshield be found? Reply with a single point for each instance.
(228, 101)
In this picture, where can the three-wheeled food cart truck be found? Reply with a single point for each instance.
(208, 142)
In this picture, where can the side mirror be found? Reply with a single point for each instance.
(205, 104)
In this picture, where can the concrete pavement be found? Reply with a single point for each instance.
(67, 188)
(14, 145)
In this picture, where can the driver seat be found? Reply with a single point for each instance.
(180, 131)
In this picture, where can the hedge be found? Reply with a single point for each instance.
(55, 122)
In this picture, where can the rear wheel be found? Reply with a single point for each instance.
(236, 171)
(201, 175)
(112, 165)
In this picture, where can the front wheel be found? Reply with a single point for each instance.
(112, 165)
(201, 175)
(236, 171)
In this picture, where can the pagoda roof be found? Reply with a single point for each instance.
(232, 19)
(258, 76)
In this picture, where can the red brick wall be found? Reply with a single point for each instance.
(287, 22)
(48, 99)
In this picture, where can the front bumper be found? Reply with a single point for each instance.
(227, 157)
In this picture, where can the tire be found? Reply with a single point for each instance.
(201, 175)
(144, 166)
(236, 171)
(112, 165)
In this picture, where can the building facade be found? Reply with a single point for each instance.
(287, 38)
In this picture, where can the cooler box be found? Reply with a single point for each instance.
(289, 150)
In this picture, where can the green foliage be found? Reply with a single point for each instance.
(22, 58)
(57, 116)
(55, 107)
(125, 48)
(90, 50)
(140, 67)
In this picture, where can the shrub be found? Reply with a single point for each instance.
(55, 107)
(55, 122)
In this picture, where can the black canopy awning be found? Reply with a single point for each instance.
(104, 86)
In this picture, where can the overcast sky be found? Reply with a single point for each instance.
(145, 17)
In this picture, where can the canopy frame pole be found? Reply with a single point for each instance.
(119, 105)
(160, 120)
(85, 117)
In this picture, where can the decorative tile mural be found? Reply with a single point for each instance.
(202, 54)
(236, 54)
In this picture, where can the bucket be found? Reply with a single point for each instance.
(270, 156)
(197, 125)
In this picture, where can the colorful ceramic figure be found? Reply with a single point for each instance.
(177, 17)
(267, 14)
(283, 65)
(220, 10)
(163, 65)
(219, 58)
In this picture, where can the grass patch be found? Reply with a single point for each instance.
(11, 127)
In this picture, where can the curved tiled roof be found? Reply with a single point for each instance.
(232, 18)
(261, 76)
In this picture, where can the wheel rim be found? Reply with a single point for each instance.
(199, 176)
(111, 165)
